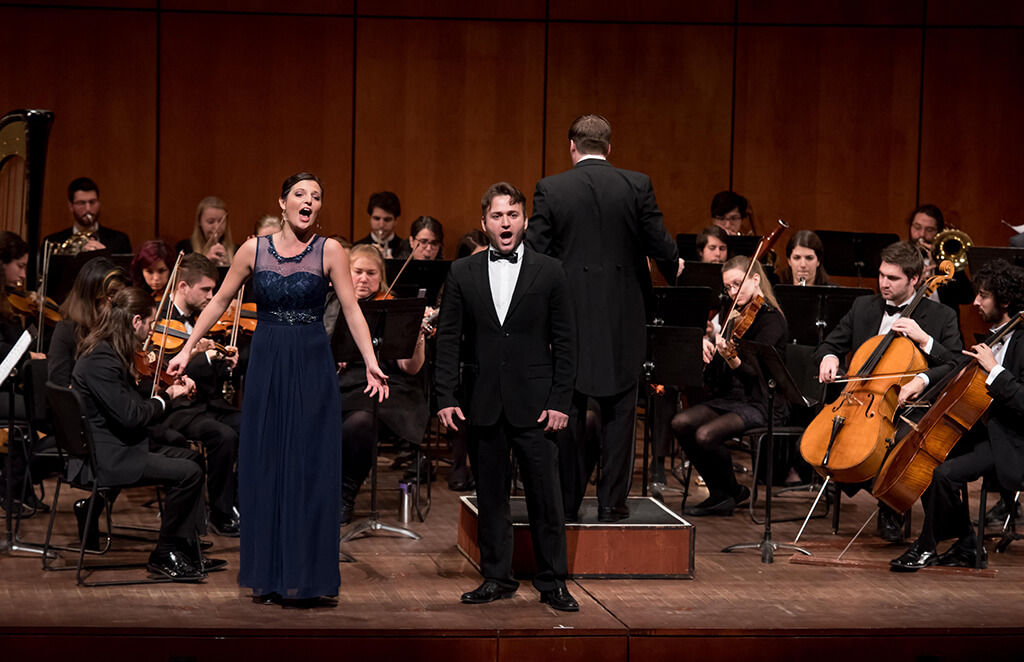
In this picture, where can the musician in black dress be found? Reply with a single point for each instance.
(993, 449)
(211, 235)
(738, 397)
(404, 414)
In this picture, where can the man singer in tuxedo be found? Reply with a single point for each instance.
(602, 223)
(506, 312)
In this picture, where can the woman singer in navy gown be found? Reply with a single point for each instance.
(289, 463)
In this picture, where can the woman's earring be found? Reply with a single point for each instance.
(284, 216)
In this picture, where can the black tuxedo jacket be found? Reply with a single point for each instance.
(602, 223)
(862, 321)
(1006, 415)
(209, 376)
(115, 240)
(118, 414)
(523, 366)
(396, 245)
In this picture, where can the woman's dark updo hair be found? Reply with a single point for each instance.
(290, 183)
(12, 247)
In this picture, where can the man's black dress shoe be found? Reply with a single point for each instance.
(175, 566)
(890, 525)
(205, 544)
(914, 559)
(462, 485)
(224, 525)
(81, 507)
(559, 599)
(997, 514)
(963, 554)
(489, 591)
(267, 599)
(608, 514)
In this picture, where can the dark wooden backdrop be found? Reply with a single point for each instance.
(833, 115)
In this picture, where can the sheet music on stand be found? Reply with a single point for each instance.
(14, 356)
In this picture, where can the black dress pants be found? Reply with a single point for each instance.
(218, 432)
(615, 448)
(946, 514)
(537, 455)
(179, 472)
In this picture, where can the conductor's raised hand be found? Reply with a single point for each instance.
(376, 383)
(177, 364)
(447, 416)
(556, 420)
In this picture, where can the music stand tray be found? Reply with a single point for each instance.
(828, 304)
(427, 276)
(702, 274)
(682, 306)
(854, 253)
(979, 256)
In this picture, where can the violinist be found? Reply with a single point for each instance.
(1000, 295)
(932, 326)
(738, 401)
(105, 376)
(150, 268)
(98, 280)
(404, 414)
(211, 235)
(804, 255)
(209, 419)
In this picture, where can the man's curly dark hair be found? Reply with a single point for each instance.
(1005, 282)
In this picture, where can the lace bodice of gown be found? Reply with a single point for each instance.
(290, 290)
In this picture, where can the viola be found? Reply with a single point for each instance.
(848, 439)
(145, 365)
(26, 304)
(907, 471)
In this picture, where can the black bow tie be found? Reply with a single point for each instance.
(892, 310)
(512, 257)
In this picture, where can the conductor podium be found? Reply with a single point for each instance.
(653, 542)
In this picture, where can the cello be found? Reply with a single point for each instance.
(907, 471)
(848, 439)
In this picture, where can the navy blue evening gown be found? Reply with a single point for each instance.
(289, 456)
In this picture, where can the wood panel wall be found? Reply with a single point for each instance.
(831, 114)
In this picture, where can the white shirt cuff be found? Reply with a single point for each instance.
(928, 347)
(992, 375)
(163, 404)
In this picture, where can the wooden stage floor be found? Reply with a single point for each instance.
(401, 599)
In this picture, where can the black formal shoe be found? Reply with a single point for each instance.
(712, 506)
(33, 501)
(559, 599)
(914, 559)
(742, 495)
(427, 471)
(467, 485)
(213, 565)
(205, 544)
(92, 542)
(175, 566)
(964, 554)
(608, 514)
(572, 518)
(489, 591)
(998, 513)
(224, 525)
(890, 525)
(267, 599)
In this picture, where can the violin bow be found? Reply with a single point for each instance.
(763, 247)
(159, 310)
(399, 275)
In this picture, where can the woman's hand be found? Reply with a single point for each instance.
(177, 364)
(376, 383)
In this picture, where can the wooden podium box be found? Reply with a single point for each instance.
(653, 542)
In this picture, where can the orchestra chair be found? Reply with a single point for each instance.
(40, 442)
(1009, 530)
(74, 440)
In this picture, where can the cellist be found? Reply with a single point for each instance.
(1000, 294)
(932, 326)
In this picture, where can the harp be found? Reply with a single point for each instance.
(23, 138)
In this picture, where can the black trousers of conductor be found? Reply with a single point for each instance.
(578, 453)
(537, 455)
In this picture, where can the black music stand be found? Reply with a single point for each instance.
(854, 253)
(979, 256)
(702, 274)
(742, 244)
(394, 326)
(777, 379)
(674, 358)
(828, 304)
(7, 371)
(426, 276)
(682, 306)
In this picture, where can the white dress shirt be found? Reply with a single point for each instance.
(999, 351)
(503, 276)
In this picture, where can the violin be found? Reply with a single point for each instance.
(145, 365)
(848, 439)
(171, 334)
(246, 319)
(907, 471)
(739, 323)
(26, 304)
